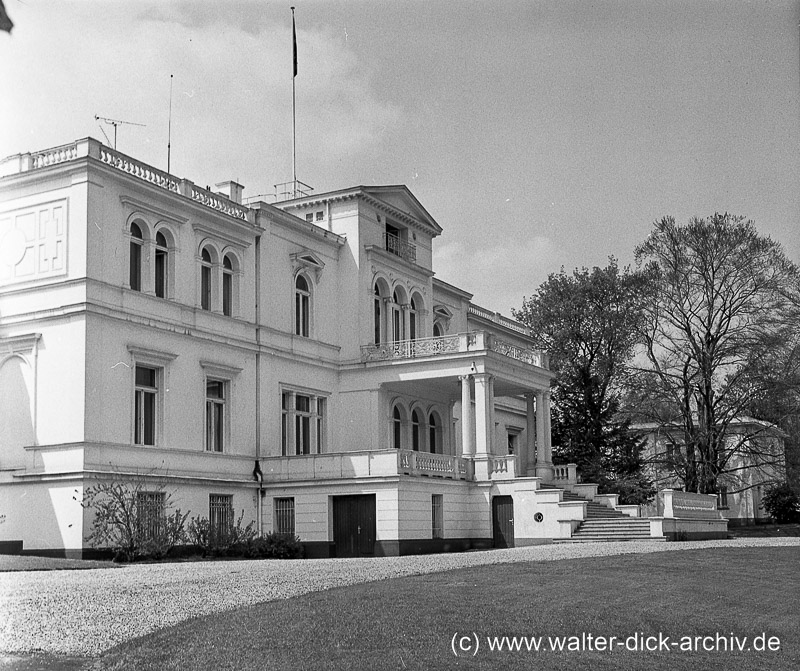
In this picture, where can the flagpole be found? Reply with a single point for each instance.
(294, 116)
(169, 125)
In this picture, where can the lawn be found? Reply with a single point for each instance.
(410, 622)
(33, 563)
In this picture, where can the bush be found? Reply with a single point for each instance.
(216, 542)
(131, 518)
(274, 546)
(782, 503)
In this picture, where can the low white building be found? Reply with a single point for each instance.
(752, 461)
(299, 362)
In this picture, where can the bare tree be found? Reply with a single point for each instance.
(726, 302)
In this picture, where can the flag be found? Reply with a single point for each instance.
(7, 24)
(294, 45)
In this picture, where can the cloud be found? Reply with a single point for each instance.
(232, 88)
(500, 274)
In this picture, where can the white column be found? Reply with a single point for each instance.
(540, 455)
(548, 445)
(528, 457)
(467, 443)
(544, 460)
(484, 414)
(448, 433)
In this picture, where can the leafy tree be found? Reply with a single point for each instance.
(782, 503)
(720, 335)
(134, 517)
(589, 322)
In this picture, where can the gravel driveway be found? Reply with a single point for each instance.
(85, 612)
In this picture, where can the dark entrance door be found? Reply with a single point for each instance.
(503, 521)
(354, 525)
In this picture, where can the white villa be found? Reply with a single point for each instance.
(298, 361)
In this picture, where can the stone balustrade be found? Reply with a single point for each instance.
(688, 505)
(565, 474)
(451, 344)
(138, 169)
(434, 465)
(502, 467)
(499, 319)
(91, 148)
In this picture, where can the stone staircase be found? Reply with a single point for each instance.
(604, 524)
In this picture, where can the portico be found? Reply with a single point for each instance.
(482, 382)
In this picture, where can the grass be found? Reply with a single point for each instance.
(410, 622)
(32, 563)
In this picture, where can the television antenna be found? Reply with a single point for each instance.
(115, 123)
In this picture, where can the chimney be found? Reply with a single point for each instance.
(230, 190)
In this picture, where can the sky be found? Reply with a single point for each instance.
(539, 134)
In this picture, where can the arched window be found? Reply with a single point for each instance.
(398, 326)
(162, 269)
(227, 286)
(438, 332)
(205, 279)
(377, 314)
(433, 435)
(302, 306)
(413, 319)
(397, 429)
(137, 241)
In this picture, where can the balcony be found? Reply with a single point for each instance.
(452, 344)
(374, 463)
(394, 245)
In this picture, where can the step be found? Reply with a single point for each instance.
(614, 524)
(655, 539)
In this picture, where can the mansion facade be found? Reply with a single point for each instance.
(298, 363)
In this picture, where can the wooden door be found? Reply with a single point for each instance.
(354, 525)
(503, 521)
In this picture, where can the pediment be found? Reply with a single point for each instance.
(400, 198)
(308, 261)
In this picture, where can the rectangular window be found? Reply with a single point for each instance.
(512, 442)
(377, 320)
(150, 513)
(205, 287)
(161, 273)
(722, 498)
(227, 294)
(145, 405)
(284, 516)
(136, 266)
(302, 424)
(310, 217)
(392, 239)
(437, 516)
(320, 418)
(320, 216)
(398, 327)
(215, 415)
(220, 513)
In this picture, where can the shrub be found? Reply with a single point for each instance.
(220, 542)
(131, 518)
(165, 536)
(274, 546)
(782, 503)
